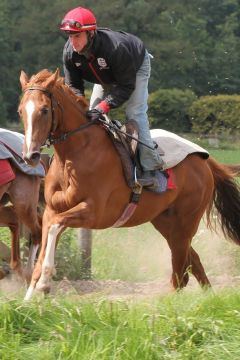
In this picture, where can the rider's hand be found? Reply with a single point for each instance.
(94, 114)
(97, 113)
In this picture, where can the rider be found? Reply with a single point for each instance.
(119, 66)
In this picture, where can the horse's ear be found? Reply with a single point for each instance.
(52, 79)
(23, 79)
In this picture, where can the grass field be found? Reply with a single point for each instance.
(226, 156)
(187, 325)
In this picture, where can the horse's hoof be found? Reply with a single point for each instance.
(2, 274)
(4, 271)
(44, 288)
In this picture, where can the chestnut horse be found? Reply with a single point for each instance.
(85, 186)
(19, 200)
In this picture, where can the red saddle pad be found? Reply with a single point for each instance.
(6, 172)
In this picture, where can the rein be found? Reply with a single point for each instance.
(56, 140)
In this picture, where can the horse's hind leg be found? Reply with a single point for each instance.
(197, 269)
(25, 195)
(34, 225)
(8, 217)
(179, 233)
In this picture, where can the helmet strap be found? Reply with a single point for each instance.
(87, 47)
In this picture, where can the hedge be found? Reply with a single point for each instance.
(169, 108)
(219, 114)
(181, 111)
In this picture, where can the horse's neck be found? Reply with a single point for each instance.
(88, 141)
(70, 114)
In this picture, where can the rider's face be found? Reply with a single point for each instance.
(78, 40)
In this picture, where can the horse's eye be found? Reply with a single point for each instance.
(44, 110)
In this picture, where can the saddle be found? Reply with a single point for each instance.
(126, 147)
(125, 140)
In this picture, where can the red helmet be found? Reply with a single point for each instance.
(79, 19)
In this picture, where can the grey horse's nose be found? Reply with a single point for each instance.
(32, 158)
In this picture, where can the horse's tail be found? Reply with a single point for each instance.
(226, 199)
(235, 169)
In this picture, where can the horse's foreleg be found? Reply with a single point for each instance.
(45, 264)
(79, 216)
(30, 263)
(36, 233)
(75, 216)
(53, 226)
(43, 283)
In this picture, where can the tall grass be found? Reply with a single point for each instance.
(187, 325)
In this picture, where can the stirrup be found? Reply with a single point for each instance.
(137, 186)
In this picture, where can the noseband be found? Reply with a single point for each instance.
(51, 140)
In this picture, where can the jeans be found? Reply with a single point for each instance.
(136, 108)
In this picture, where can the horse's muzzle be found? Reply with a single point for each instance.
(32, 158)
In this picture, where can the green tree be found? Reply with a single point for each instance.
(195, 43)
(10, 11)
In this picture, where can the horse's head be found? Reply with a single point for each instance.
(36, 111)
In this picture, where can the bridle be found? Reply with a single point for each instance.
(51, 140)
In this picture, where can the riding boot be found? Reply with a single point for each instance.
(147, 178)
(153, 180)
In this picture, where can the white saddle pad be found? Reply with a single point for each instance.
(174, 148)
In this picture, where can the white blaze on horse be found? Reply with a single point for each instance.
(86, 188)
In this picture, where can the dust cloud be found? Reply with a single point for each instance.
(145, 265)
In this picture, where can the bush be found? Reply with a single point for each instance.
(168, 109)
(218, 114)
(68, 258)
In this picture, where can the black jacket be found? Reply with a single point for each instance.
(114, 58)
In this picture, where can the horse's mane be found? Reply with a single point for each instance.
(42, 76)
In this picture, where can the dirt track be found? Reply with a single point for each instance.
(114, 289)
(123, 289)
